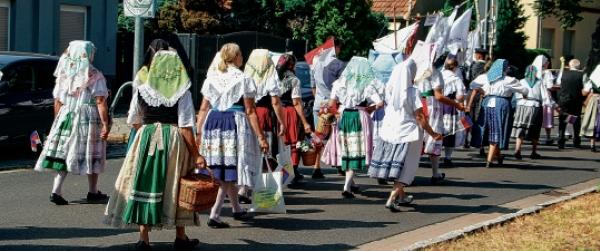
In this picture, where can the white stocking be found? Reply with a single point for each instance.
(215, 211)
(58, 182)
(349, 180)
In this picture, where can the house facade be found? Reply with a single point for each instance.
(47, 26)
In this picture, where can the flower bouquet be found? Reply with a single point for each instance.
(308, 151)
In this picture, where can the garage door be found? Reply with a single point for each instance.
(4, 24)
(73, 24)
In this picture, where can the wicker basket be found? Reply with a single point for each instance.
(197, 192)
(309, 158)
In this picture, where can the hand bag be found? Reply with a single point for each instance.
(267, 195)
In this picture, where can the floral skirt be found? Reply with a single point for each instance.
(497, 122)
(230, 147)
(147, 187)
(355, 139)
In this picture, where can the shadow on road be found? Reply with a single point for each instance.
(33, 233)
(292, 224)
(249, 245)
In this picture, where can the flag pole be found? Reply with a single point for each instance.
(395, 29)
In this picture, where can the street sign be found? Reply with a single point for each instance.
(139, 8)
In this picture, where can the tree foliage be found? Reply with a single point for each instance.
(510, 38)
(568, 12)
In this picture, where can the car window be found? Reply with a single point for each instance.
(20, 78)
(44, 75)
(303, 73)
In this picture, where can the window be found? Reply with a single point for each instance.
(4, 24)
(548, 40)
(73, 23)
(568, 42)
(20, 78)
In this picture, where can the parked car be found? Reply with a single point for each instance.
(26, 102)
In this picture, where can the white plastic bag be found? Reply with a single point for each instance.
(267, 195)
(285, 166)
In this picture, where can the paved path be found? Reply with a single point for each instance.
(317, 219)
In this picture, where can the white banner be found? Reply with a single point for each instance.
(432, 19)
(457, 39)
(386, 43)
(139, 8)
(423, 55)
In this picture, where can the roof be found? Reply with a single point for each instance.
(7, 57)
(387, 7)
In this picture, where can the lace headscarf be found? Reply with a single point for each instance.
(73, 69)
(259, 67)
(497, 71)
(358, 74)
(530, 75)
(166, 80)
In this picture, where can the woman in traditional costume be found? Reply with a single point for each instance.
(77, 140)
(454, 89)
(228, 128)
(590, 125)
(432, 90)
(293, 110)
(544, 75)
(261, 69)
(163, 151)
(356, 90)
(528, 115)
(396, 156)
(498, 89)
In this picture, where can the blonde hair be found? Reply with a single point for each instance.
(229, 52)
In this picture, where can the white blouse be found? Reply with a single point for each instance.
(185, 110)
(501, 88)
(271, 87)
(224, 89)
(292, 83)
(535, 94)
(352, 98)
(400, 126)
(453, 84)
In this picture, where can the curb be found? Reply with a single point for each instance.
(502, 219)
(391, 242)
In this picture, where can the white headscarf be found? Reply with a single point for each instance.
(402, 78)
(73, 69)
(214, 65)
(539, 63)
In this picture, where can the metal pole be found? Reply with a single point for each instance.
(138, 44)
(395, 29)
(485, 24)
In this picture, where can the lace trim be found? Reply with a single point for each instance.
(155, 99)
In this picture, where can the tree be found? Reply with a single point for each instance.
(351, 21)
(510, 38)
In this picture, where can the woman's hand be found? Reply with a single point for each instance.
(307, 129)
(436, 136)
(264, 146)
(282, 130)
(199, 139)
(104, 131)
(200, 162)
(460, 106)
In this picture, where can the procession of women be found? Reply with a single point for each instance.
(383, 116)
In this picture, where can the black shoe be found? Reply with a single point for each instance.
(99, 196)
(382, 182)
(58, 200)
(561, 146)
(535, 156)
(448, 163)
(549, 142)
(186, 244)
(340, 172)
(242, 216)
(297, 178)
(355, 189)
(500, 160)
(244, 200)
(142, 246)
(317, 174)
(437, 180)
(518, 156)
(482, 152)
(348, 195)
(594, 149)
(215, 224)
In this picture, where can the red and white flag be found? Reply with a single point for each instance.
(326, 48)
(34, 140)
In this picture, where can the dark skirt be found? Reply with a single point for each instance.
(527, 123)
(220, 140)
(497, 121)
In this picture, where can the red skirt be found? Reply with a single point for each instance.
(265, 121)
(293, 134)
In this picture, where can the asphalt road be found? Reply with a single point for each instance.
(318, 218)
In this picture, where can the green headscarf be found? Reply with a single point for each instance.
(530, 75)
(165, 81)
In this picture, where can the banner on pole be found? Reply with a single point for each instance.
(139, 8)
(431, 19)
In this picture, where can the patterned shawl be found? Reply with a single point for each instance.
(73, 69)
(259, 67)
(165, 81)
(497, 71)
